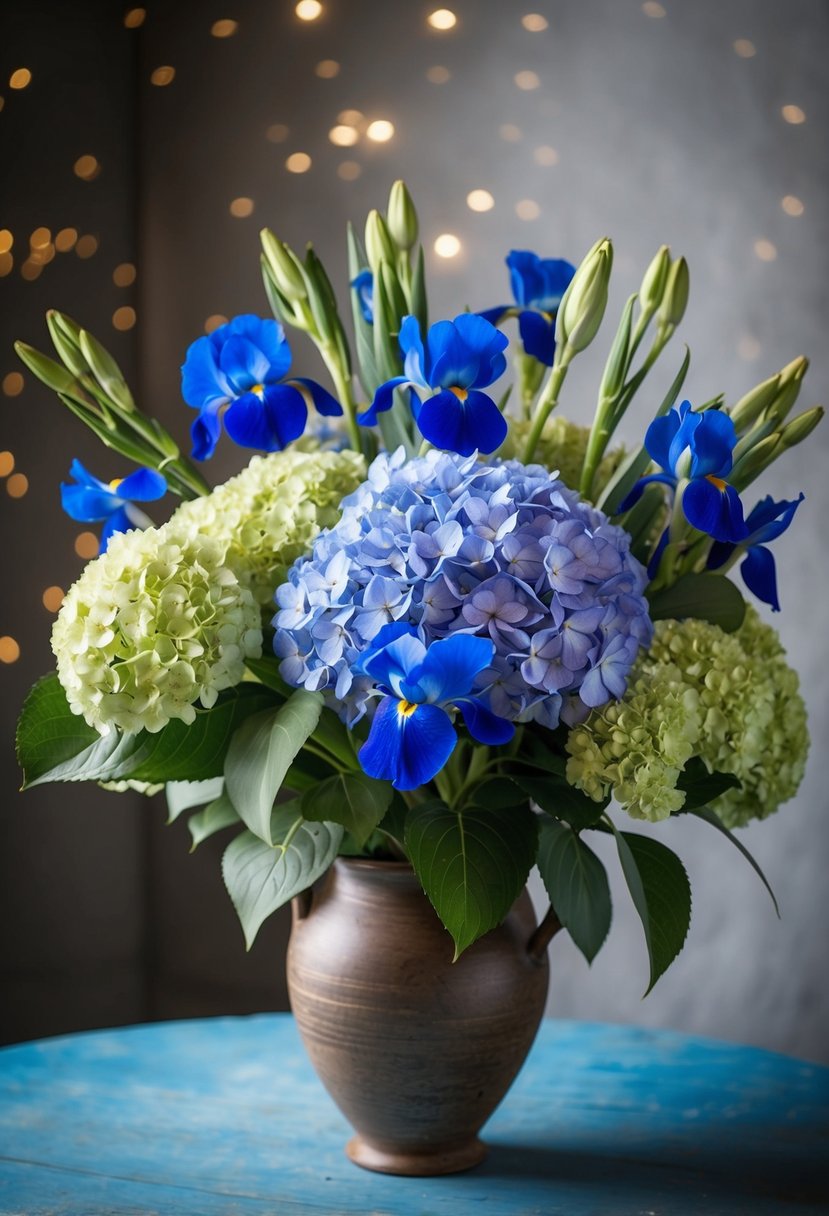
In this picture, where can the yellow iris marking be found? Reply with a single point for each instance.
(406, 708)
(115, 483)
(258, 389)
(460, 393)
(716, 481)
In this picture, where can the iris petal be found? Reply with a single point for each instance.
(636, 493)
(88, 505)
(712, 444)
(270, 423)
(395, 659)
(323, 401)
(453, 361)
(407, 749)
(659, 437)
(483, 724)
(202, 380)
(718, 513)
(538, 335)
(118, 521)
(525, 276)
(475, 424)
(268, 336)
(495, 315)
(144, 485)
(770, 519)
(451, 665)
(760, 576)
(84, 477)
(383, 400)
(479, 335)
(411, 347)
(206, 430)
(243, 364)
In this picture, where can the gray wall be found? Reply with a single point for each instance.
(663, 133)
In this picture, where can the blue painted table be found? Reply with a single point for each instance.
(226, 1116)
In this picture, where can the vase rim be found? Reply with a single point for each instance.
(370, 863)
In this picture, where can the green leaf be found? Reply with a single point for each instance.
(497, 793)
(559, 799)
(472, 866)
(261, 878)
(182, 795)
(221, 813)
(260, 754)
(711, 817)
(393, 823)
(577, 885)
(661, 895)
(709, 597)
(351, 799)
(266, 669)
(702, 787)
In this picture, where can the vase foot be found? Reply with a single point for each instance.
(416, 1165)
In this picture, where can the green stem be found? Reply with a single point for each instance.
(546, 404)
(342, 383)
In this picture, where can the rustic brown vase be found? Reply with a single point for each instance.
(417, 1051)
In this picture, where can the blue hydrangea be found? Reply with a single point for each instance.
(448, 544)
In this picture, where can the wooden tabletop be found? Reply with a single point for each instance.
(226, 1116)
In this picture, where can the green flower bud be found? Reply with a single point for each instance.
(799, 428)
(402, 217)
(749, 408)
(675, 298)
(653, 283)
(379, 245)
(47, 370)
(285, 267)
(754, 460)
(582, 307)
(65, 334)
(791, 378)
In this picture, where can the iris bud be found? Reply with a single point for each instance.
(799, 428)
(379, 245)
(582, 307)
(749, 408)
(402, 217)
(753, 462)
(284, 267)
(653, 283)
(675, 297)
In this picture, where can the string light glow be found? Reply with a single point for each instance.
(134, 18)
(6, 240)
(17, 485)
(527, 80)
(224, 28)
(86, 168)
(123, 318)
(380, 131)
(124, 275)
(9, 650)
(327, 69)
(438, 74)
(349, 171)
(277, 133)
(545, 155)
(214, 321)
(13, 384)
(652, 8)
(86, 545)
(442, 19)
(52, 598)
(65, 240)
(20, 78)
(6, 464)
(40, 238)
(241, 208)
(308, 10)
(298, 162)
(534, 22)
(510, 132)
(6, 264)
(748, 348)
(351, 118)
(447, 245)
(745, 48)
(30, 270)
(792, 205)
(86, 246)
(480, 200)
(793, 115)
(527, 209)
(765, 250)
(343, 136)
(162, 76)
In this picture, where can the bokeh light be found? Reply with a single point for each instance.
(124, 318)
(86, 168)
(134, 18)
(652, 8)
(480, 200)
(53, 598)
(214, 321)
(343, 136)
(534, 22)
(241, 208)
(65, 240)
(162, 76)
(745, 48)
(792, 205)
(442, 19)
(380, 131)
(13, 384)
(438, 74)
(327, 69)
(298, 162)
(17, 485)
(793, 115)
(86, 246)
(9, 650)
(765, 250)
(308, 10)
(527, 209)
(349, 170)
(6, 464)
(87, 545)
(6, 240)
(20, 78)
(124, 275)
(545, 155)
(447, 245)
(527, 80)
(224, 28)
(510, 132)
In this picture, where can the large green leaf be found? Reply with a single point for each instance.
(711, 817)
(709, 597)
(221, 813)
(577, 885)
(183, 795)
(702, 787)
(661, 895)
(261, 878)
(351, 799)
(472, 866)
(497, 793)
(260, 754)
(558, 798)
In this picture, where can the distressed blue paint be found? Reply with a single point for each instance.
(226, 1116)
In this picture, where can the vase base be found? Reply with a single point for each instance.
(416, 1165)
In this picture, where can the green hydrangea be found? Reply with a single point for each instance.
(562, 446)
(270, 514)
(155, 624)
(729, 698)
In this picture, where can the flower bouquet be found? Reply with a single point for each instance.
(432, 632)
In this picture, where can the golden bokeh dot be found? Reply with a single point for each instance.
(277, 133)
(793, 114)
(241, 208)
(534, 22)
(438, 74)
(745, 48)
(351, 118)
(327, 69)
(214, 321)
(86, 246)
(480, 200)
(510, 132)
(163, 75)
(298, 162)
(349, 171)
(527, 209)
(19, 78)
(765, 250)
(6, 464)
(40, 238)
(527, 80)
(442, 19)
(652, 8)
(545, 155)
(30, 270)
(43, 254)
(2, 102)
(17, 485)
(380, 131)
(13, 384)
(86, 168)
(65, 239)
(124, 318)
(134, 18)
(343, 136)
(792, 205)
(447, 245)
(9, 650)
(225, 28)
(124, 275)
(87, 544)
(52, 598)
(6, 240)
(308, 10)
(748, 347)
(6, 264)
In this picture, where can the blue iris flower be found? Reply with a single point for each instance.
(412, 735)
(461, 357)
(91, 501)
(697, 449)
(363, 284)
(766, 522)
(538, 285)
(238, 372)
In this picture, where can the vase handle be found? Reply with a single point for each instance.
(301, 904)
(543, 935)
